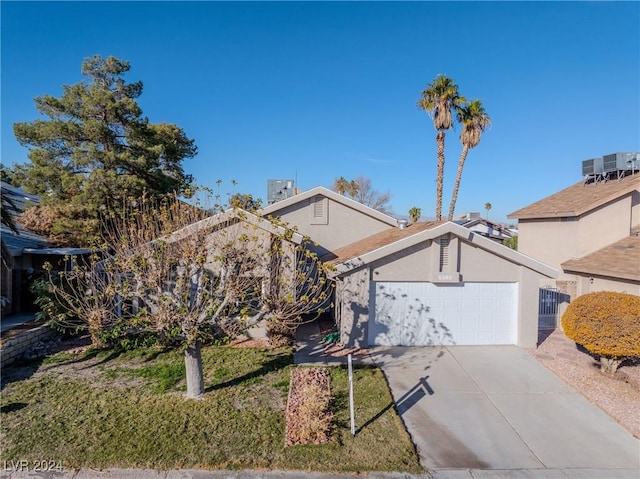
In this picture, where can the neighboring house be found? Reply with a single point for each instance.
(329, 219)
(485, 227)
(434, 283)
(29, 252)
(589, 231)
(613, 268)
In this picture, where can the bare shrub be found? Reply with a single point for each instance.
(309, 418)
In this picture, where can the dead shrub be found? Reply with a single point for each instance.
(309, 417)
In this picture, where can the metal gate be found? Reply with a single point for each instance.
(549, 299)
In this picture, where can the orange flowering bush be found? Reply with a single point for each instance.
(606, 324)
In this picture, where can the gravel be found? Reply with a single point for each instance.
(617, 395)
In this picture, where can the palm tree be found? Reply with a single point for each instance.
(474, 120)
(415, 213)
(487, 206)
(341, 185)
(439, 99)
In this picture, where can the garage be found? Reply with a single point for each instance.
(425, 314)
(436, 283)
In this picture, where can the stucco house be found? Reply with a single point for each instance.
(485, 227)
(435, 283)
(329, 219)
(588, 231)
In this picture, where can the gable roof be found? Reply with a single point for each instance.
(620, 260)
(230, 215)
(338, 198)
(383, 244)
(579, 198)
(374, 242)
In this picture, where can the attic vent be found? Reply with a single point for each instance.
(318, 208)
(444, 253)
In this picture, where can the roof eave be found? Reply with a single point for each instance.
(600, 272)
(448, 227)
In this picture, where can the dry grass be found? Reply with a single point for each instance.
(106, 409)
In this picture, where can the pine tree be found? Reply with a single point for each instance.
(95, 151)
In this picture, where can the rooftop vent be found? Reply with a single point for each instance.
(402, 224)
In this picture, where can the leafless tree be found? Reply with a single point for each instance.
(188, 278)
(361, 190)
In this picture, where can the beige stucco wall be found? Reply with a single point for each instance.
(257, 244)
(344, 226)
(556, 240)
(590, 284)
(528, 304)
(353, 295)
(416, 264)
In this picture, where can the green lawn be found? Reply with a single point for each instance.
(107, 410)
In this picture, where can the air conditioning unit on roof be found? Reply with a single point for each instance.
(621, 162)
(595, 166)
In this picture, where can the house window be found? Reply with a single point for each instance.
(319, 210)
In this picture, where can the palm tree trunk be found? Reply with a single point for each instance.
(456, 186)
(193, 367)
(440, 178)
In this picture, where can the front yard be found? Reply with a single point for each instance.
(103, 409)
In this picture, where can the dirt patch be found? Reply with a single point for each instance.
(618, 395)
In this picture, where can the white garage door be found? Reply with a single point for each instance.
(423, 314)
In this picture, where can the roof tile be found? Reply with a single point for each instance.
(376, 241)
(618, 260)
(578, 199)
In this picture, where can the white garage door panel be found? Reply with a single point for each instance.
(420, 314)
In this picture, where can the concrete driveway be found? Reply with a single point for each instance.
(497, 408)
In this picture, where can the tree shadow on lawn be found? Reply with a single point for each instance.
(277, 363)
(23, 369)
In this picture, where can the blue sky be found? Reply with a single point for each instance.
(313, 90)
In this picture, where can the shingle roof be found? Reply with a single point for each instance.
(25, 238)
(376, 241)
(620, 260)
(388, 242)
(578, 199)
